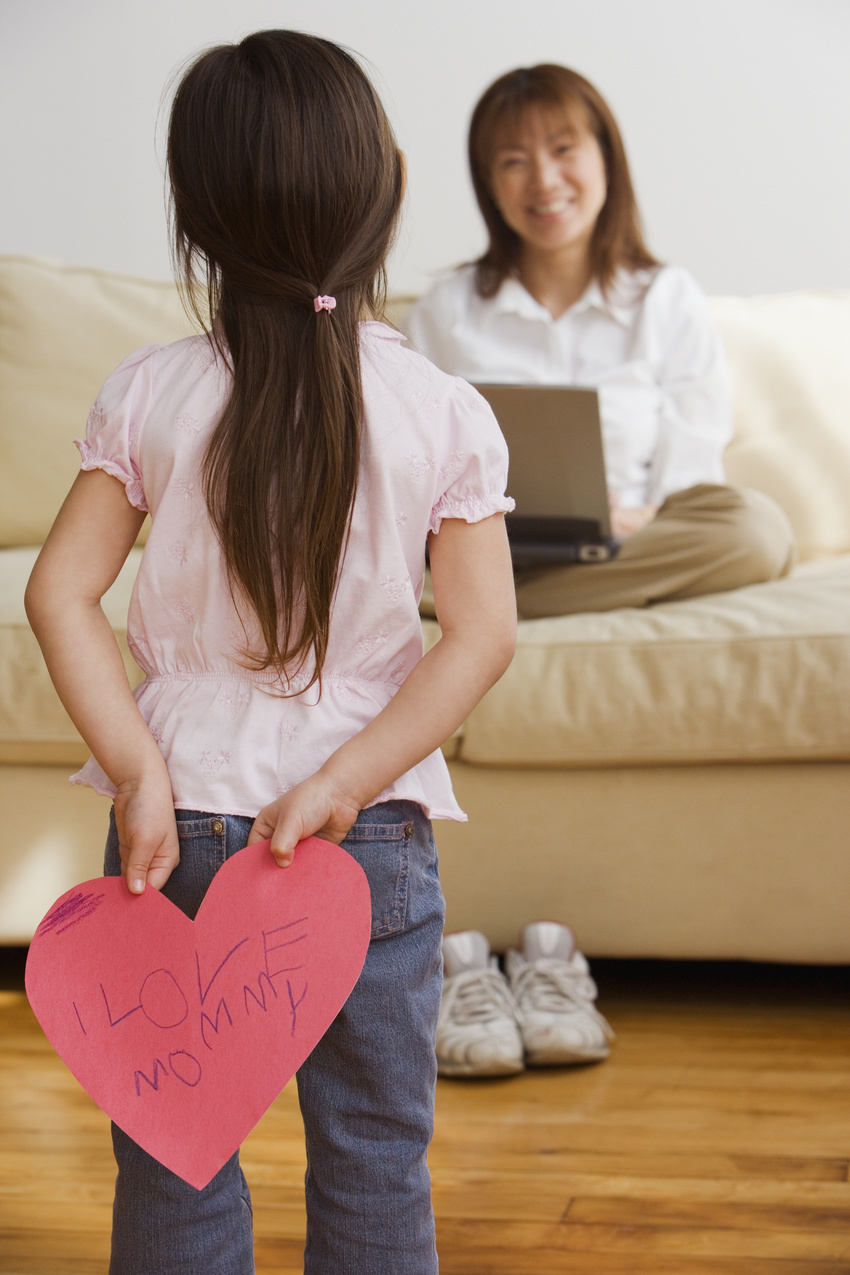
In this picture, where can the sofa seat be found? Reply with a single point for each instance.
(744, 676)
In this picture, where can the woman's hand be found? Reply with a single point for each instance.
(147, 830)
(625, 522)
(314, 808)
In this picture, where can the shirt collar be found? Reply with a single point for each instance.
(513, 298)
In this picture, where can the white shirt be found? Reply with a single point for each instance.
(651, 349)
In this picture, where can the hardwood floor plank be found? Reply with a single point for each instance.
(278, 1257)
(81, 1217)
(707, 1241)
(53, 1246)
(479, 1194)
(462, 1260)
(624, 1211)
(469, 1144)
(693, 1165)
(63, 1265)
(710, 1242)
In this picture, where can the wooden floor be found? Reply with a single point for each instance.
(716, 1141)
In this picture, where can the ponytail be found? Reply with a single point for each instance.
(286, 186)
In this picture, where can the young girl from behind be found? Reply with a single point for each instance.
(293, 461)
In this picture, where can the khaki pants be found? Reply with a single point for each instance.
(708, 539)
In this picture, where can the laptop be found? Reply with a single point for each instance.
(557, 473)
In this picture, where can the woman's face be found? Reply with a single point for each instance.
(548, 180)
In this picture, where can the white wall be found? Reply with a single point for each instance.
(734, 112)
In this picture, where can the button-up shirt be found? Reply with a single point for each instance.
(650, 348)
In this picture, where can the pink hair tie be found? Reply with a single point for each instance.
(324, 303)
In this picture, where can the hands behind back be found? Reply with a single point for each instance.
(147, 830)
(313, 808)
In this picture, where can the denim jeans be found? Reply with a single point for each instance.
(366, 1091)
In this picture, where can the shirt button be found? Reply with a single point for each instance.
(218, 827)
(408, 829)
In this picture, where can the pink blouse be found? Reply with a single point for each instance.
(431, 449)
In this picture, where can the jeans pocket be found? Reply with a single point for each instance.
(383, 852)
(203, 850)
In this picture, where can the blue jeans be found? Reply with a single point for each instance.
(366, 1091)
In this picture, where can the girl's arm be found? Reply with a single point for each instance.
(86, 548)
(476, 607)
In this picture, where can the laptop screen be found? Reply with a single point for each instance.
(557, 464)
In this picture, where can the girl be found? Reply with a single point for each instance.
(294, 461)
(568, 293)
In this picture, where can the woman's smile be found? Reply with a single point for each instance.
(553, 208)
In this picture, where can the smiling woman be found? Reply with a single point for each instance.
(567, 293)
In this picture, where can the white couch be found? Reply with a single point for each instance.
(673, 782)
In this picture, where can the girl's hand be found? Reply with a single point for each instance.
(314, 808)
(147, 831)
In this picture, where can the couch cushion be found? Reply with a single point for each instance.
(62, 330)
(791, 376)
(34, 727)
(761, 674)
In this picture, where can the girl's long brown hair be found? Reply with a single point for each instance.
(286, 184)
(617, 238)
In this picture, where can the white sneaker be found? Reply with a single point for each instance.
(551, 983)
(477, 1031)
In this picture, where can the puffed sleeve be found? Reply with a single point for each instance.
(695, 423)
(472, 477)
(115, 423)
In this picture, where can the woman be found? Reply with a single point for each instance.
(568, 293)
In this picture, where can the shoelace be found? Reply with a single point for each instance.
(478, 996)
(547, 984)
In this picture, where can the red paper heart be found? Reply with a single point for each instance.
(185, 1032)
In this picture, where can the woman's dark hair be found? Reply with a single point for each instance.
(617, 238)
(286, 184)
